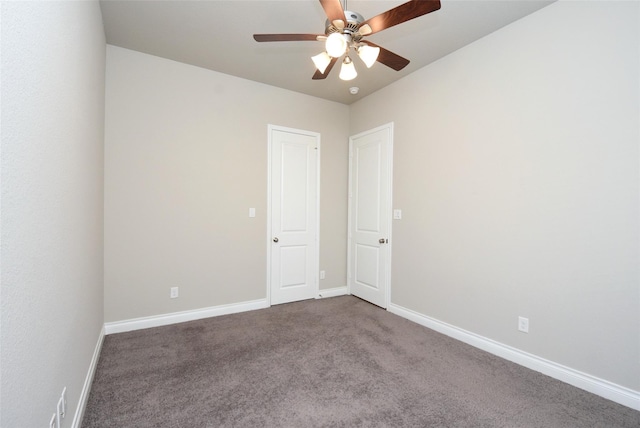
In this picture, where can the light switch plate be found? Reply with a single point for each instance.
(252, 212)
(397, 214)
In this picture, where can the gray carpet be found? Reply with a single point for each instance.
(337, 362)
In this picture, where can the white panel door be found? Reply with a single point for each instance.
(370, 162)
(293, 229)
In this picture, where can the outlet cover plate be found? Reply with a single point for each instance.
(64, 401)
(523, 324)
(60, 411)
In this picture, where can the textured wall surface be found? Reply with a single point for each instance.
(516, 167)
(51, 251)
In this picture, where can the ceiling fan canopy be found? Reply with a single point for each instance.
(346, 29)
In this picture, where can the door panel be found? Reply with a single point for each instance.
(368, 185)
(293, 189)
(293, 272)
(295, 183)
(367, 259)
(369, 214)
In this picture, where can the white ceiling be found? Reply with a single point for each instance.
(218, 35)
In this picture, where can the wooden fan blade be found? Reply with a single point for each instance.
(389, 58)
(400, 14)
(286, 37)
(318, 75)
(333, 10)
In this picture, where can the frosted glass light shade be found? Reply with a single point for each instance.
(336, 45)
(321, 61)
(348, 70)
(368, 54)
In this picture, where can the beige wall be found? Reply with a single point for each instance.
(516, 167)
(186, 157)
(51, 299)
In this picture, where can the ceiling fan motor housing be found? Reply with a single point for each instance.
(354, 19)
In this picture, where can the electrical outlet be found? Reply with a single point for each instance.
(60, 411)
(64, 401)
(174, 292)
(53, 421)
(523, 324)
(322, 274)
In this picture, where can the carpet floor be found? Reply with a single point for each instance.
(337, 362)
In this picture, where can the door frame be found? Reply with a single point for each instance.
(389, 209)
(316, 260)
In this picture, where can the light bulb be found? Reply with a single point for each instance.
(348, 70)
(336, 45)
(368, 54)
(321, 61)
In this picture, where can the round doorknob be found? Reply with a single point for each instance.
(275, 239)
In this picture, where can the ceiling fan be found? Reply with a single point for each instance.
(345, 29)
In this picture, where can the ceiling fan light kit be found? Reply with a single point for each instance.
(345, 29)
(336, 44)
(348, 70)
(368, 54)
(322, 61)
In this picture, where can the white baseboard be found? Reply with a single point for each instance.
(88, 380)
(611, 391)
(332, 292)
(178, 317)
